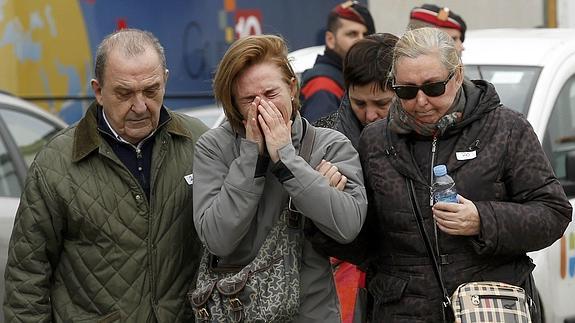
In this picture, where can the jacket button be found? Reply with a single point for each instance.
(138, 197)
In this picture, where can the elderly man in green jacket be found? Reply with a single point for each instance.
(104, 231)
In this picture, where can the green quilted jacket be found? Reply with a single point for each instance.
(87, 245)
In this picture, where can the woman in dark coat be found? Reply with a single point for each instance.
(368, 96)
(368, 93)
(510, 202)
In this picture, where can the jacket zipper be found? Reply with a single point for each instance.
(433, 151)
(150, 245)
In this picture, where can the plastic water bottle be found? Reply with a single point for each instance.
(443, 186)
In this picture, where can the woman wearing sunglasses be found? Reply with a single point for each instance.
(510, 202)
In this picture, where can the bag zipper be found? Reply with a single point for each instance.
(476, 299)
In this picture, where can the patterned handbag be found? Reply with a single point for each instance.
(490, 302)
(268, 288)
(475, 302)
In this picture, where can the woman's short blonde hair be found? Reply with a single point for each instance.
(243, 53)
(426, 41)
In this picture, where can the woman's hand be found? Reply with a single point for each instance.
(330, 171)
(457, 218)
(277, 132)
(253, 132)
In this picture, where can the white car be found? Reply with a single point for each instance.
(211, 115)
(533, 71)
(24, 129)
(304, 58)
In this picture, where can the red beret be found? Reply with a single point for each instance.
(440, 17)
(354, 11)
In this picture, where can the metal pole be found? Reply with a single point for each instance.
(551, 13)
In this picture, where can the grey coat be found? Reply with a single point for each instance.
(234, 208)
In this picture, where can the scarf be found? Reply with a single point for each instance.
(402, 122)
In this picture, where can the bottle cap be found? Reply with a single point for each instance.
(439, 170)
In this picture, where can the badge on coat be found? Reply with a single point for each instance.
(466, 155)
(189, 179)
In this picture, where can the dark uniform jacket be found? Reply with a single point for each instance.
(521, 205)
(322, 86)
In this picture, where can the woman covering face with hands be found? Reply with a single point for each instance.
(249, 169)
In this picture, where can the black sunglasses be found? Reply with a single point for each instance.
(408, 92)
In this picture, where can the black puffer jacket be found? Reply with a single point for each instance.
(521, 205)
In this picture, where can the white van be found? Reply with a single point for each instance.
(534, 73)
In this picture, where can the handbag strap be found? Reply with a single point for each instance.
(446, 300)
(307, 141)
(306, 147)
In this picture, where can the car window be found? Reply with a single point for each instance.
(211, 115)
(9, 184)
(559, 138)
(514, 84)
(209, 120)
(29, 132)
